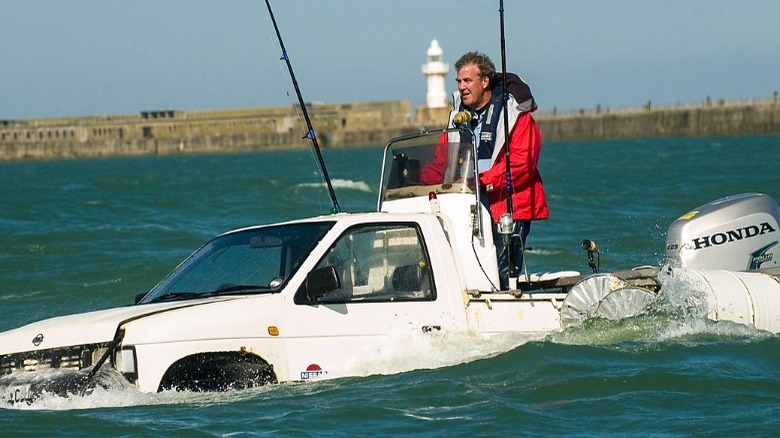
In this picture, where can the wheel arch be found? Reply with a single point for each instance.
(218, 371)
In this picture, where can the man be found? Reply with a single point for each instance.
(480, 91)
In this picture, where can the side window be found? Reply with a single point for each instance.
(380, 263)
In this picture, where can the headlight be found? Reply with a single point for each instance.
(125, 361)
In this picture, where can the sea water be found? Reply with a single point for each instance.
(81, 235)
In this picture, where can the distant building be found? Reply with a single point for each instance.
(434, 113)
(435, 70)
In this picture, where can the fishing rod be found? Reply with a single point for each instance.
(310, 134)
(506, 225)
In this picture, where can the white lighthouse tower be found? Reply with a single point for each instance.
(435, 70)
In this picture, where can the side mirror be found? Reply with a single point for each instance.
(321, 281)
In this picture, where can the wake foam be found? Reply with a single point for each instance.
(416, 350)
(347, 184)
(399, 353)
(679, 314)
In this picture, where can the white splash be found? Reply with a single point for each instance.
(400, 353)
(680, 314)
(347, 184)
(416, 350)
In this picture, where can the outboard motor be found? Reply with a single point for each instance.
(728, 250)
(737, 233)
(723, 251)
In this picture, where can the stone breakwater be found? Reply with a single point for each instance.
(349, 125)
(187, 132)
(708, 118)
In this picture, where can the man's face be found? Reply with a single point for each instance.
(472, 88)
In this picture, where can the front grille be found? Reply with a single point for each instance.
(70, 358)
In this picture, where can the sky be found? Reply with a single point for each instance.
(102, 57)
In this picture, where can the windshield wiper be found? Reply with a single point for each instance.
(177, 296)
(225, 290)
(240, 288)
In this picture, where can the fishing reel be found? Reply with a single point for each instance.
(506, 227)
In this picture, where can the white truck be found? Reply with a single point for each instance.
(304, 299)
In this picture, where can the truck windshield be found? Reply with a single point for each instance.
(256, 260)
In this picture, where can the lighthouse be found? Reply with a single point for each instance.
(435, 70)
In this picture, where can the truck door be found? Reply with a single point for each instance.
(381, 286)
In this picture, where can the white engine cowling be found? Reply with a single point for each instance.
(739, 233)
(727, 248)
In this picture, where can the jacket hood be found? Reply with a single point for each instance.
(517, 88)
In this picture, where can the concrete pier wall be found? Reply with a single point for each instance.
(719, 119)
(348, 125)
(184, 132)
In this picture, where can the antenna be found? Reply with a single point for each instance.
(507, 224)
(310, 134)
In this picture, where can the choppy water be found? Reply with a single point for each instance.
(90, 234)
